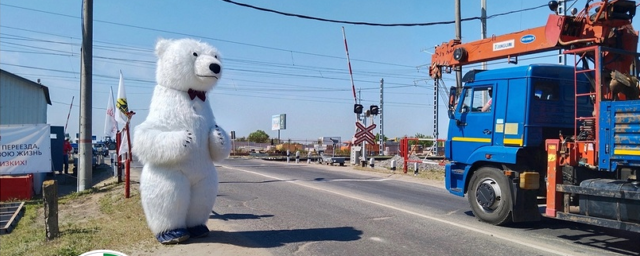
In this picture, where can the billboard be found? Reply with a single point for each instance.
(25, 149)
(279, 122)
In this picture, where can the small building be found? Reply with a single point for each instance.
(23, 101)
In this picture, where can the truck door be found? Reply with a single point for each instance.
(472, 125)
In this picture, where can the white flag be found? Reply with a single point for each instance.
(124, 144)
(110, 124)
(121, 104)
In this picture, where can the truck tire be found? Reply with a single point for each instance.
(490, 196)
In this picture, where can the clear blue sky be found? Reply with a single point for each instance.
(273, 64)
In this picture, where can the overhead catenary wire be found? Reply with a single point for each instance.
(150, 83)
(378, 24)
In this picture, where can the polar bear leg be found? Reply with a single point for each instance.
(203, 197)
(165, 197)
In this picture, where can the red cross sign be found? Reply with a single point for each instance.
(365, 133)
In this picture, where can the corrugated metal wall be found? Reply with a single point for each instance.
(21, 102)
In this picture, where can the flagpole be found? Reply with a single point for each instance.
(118, 158)
(127, 165)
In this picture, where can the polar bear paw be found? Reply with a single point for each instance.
(187, 139)
(173, 236)
(219, 144)
(198, 231)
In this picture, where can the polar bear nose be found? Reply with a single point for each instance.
(215, 68)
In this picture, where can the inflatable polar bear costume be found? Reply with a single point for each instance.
(179, 141)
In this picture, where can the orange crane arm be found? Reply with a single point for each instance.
(612, 29)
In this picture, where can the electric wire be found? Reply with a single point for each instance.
(379, 24)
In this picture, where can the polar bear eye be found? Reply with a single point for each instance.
(215, 56)
(195, 54)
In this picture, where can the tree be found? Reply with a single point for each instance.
(258, 136)
(424, 143)
(377, 139)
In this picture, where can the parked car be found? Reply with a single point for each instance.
(101, 149)
(94, 161)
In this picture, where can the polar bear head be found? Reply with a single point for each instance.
(185, 64)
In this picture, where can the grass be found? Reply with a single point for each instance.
(98, 218)
(431, 174)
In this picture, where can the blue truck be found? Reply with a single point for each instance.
(549, 140)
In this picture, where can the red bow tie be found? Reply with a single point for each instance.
(200, 94)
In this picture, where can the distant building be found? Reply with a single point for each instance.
(22, 101)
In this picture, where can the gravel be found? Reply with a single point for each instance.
(430, 165)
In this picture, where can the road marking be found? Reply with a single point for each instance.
(377, 239)
(337, 180)
(508, 239)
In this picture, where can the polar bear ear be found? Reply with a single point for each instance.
(162, 45)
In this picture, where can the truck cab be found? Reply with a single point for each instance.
(528, 104)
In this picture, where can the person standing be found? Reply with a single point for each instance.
(297, 156)
(66, 151)
(309, 157)
(288, 155)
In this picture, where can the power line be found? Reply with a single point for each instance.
(131, 61)
(209, 38)
(377, 24)
(262, 71)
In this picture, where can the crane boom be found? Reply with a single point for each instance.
(612, 28)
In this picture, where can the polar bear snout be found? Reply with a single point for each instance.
(215, 68)
(207, 66)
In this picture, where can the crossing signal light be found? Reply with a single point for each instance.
(357, 108)
(374, 110)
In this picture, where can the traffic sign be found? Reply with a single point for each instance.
(365, 134)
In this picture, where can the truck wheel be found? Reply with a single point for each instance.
(490, 196)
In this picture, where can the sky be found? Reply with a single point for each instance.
(272, 64)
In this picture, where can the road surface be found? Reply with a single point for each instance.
(275, 208)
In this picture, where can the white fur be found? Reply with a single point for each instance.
(180, 140)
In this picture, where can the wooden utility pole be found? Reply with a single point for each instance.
(85, 152)
(50, 198)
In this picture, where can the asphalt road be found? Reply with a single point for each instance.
(300, 209)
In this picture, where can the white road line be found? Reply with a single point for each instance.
(353, 180)
(509, 239)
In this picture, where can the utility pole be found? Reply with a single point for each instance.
(85, 152)
(483, 26)
(459, 38)
(436, 92)
(381, 140)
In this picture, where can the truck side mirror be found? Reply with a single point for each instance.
(452, 97)
(452, 101)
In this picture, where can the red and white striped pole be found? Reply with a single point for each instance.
(70, 106)
(353, 87)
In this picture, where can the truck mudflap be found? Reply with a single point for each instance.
(525, 204)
